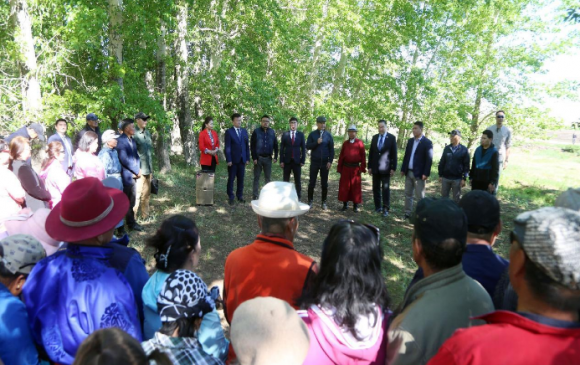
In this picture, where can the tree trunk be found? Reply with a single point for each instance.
(30, 86)
(161, 88)
(115, 36)
(184, 111)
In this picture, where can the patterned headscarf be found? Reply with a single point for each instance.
(185, 295)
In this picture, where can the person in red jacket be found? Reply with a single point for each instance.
(209, 145)
(545, 273)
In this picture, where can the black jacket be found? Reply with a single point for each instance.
(263, 143)
(321, 153)
(454, 166)
(386, 159)
(299, 148)
(422, 160)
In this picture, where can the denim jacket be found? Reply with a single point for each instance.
(110, 160)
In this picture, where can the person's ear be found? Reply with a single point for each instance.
(16, 285)
(417, 249)
(517, 270)
(259, 221)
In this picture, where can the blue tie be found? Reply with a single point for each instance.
(381, 142)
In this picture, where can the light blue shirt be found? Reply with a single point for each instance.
(415, 144)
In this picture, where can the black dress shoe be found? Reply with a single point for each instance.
(386, 213)
(324, 206)
(231, 201)
(241, 201)
(136, 227)
(379, 210)
(356, 208)
(344, 207)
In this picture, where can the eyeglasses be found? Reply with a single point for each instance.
(373, 228)
(500, 116)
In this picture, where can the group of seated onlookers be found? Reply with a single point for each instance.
(93, 302)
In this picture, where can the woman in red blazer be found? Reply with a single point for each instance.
(209, 145)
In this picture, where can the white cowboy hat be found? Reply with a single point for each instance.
(279, 200)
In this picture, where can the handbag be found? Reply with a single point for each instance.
(154, 186)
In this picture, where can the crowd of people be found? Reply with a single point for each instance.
(73, 292)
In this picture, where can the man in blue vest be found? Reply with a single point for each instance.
(485, 165)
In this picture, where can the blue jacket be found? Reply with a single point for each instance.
(129, 158)
(20, 132)
(321, 153)
(299, 148)
(110, 159)
(16, 342)
(237, 149)
(68, 151)
(454, 165)
(263, 143)
(422, 160)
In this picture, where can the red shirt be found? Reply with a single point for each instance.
(510, 338)
(268, 267)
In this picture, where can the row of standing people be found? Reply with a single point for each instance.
(262, 148)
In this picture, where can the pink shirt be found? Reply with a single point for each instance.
(87, 165)
(10, 189)
(55, 181)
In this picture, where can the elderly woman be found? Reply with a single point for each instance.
(345, 306)
(36, 194)
(86, 163)
(177, 246)
(11, 192)
(109, 157)
(54, 177)
(97, 294)
(209, 145)
(182, 303)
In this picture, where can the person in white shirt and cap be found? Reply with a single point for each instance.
(351, 164)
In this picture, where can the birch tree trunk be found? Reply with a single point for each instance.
(115, 36)
(162, 145)
(30, 86)
(183, 102)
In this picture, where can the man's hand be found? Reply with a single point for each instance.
(402, 173)
(462, 183)
(275, 160)
(424, 177)
(491, 188)
(229, 164)
(392, 172)
(301, 164)
(282, 164)
(255, 162)
(370, 171)
(505, 163)
(328, 166)
(319, 140)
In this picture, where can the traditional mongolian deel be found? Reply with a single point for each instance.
(351, 163)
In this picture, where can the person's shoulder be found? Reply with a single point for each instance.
(390, 135)
(427, 140)
(54, 138)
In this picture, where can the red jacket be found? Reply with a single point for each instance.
(510, 338)
(205, 142)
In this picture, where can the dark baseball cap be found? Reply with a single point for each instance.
(39, 129)
(482, 211)
(437, 220)
(321, 119)
(92, 116)
(455, 132)
(142, 115)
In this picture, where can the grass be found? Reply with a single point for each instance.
(537, 173)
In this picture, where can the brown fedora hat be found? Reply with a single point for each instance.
(86, 210)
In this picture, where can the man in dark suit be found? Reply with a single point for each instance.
(293, 154)
(130, 164)
(237, 156)
(382, 165)
(61, 127)
(416, 166)
(321, 143)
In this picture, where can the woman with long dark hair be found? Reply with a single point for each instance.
(209, 145)
(11, 192)
(36, 194)
(177, 246)
(54, 177)
(345, 305)
(86, 163)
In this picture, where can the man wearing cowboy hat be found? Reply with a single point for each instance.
(255, 270)
(351, 163)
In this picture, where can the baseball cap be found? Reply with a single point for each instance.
(39, 129)
(437, 220)
(108, 135)
(482, 211)
(92, 116)
(569, 199)
(20, 253)
(142, 115)
(321, 119)
(455, 132)
(549, 237)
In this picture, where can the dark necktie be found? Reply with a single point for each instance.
(292, 144)
(238, 132)
(381, 142)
